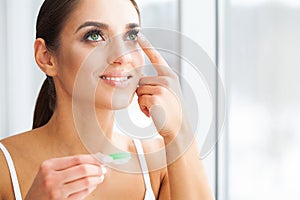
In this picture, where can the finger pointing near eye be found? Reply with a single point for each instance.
(158, 95)
(160, 65)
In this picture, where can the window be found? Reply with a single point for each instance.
(260, 62)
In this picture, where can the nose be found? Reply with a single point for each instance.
(119, 53)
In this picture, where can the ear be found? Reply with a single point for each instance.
(44, 58)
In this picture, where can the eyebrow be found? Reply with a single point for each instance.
(132, 25)
(90, 23)
(104, 26)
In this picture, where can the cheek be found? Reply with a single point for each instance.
(70, 62)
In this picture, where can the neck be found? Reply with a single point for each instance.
(74, 129)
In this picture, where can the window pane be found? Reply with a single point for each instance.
(261, 54)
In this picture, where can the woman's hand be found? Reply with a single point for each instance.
(160, 96)
(72, 177)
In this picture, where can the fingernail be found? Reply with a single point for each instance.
(101, 178)
(92, 189)
(143, 38)
(103, 169)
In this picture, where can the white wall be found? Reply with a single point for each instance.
(3, 118)
(20, 77)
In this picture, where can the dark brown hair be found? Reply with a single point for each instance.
(52, 17)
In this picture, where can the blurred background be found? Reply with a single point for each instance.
(256, 46)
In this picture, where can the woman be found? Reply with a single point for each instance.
(50, 161)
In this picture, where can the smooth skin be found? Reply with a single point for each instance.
(51, 161)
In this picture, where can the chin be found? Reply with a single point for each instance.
(116, 101)
(121, 100)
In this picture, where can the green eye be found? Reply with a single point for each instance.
(132, 35)
(94, 36)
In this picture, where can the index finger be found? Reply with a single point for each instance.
(160, 65)
(67, 162)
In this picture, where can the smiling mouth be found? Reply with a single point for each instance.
(116, 78)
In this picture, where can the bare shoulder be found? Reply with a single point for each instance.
(24, 147)
(21, 142)
(5, 183)
(20, 148)
(11, 143)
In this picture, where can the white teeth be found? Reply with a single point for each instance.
(118, 79)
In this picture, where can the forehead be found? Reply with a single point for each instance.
(115, 13)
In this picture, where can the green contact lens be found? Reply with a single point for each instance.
(118, 156)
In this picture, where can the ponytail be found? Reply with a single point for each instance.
(45, 103)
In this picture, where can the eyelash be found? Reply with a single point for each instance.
(134, 32)
(91, 32)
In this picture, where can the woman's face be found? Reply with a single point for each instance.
(98, 57)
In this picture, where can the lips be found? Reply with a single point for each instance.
(118, 79)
